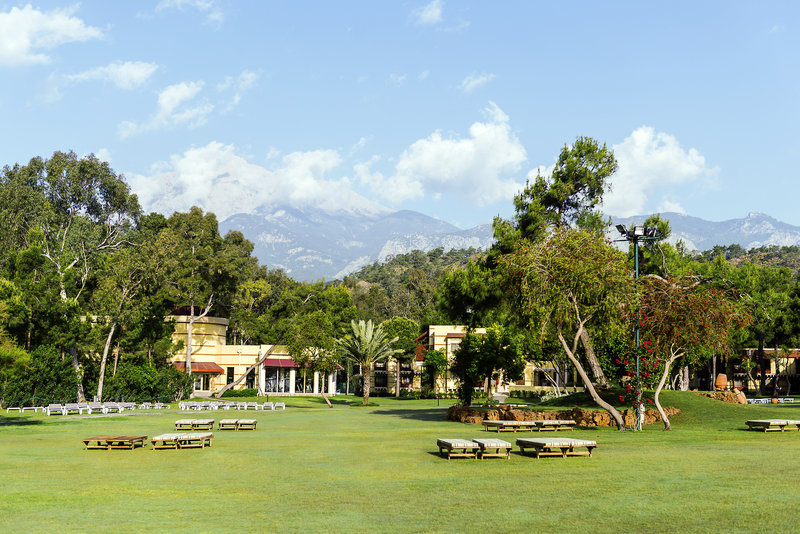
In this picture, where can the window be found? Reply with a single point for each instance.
(206, 382)
(381, 379)
(230, 375)
(250, 381)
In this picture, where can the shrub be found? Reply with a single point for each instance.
(145, 381)
(245, 392)
(41, 379)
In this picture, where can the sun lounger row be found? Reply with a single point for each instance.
(508, 426)
(194, 424)
(789, 400)
(773, 425)
(213, 405)
(237, 424)
(176, 440)
(492, 447)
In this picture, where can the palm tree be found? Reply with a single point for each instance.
(365, 346)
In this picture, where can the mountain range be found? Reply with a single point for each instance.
(312, 244)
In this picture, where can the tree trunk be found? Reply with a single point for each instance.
(78, 373)
(188, 364)
(660, 386)
(367, 371)
(597, 371)
(761, 364)
(116, 359)
(683, 383)
(587, 383)
(397, 379)
(103, 361)
(260, 360)
(713, 382)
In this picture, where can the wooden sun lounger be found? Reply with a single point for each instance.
(198, 440)
(557, 424)
(509, 426)
(246, 424)
(556, 446)
(166, 441)
(227, 424)
(114, 442)
(468, 448)
(502, 449)
(772, 425)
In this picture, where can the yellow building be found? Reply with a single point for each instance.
(216, 364)
(446, 338)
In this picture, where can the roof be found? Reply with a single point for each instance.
(280, 362)
(201, 367)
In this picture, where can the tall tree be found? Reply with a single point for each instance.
(484, 357)
(86, 211)
(364, 346)
(682, 319)
(564, 287)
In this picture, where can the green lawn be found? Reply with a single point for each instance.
(376, 469)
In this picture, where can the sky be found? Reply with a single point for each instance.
(444, 107)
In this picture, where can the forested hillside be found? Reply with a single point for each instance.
(405, 285)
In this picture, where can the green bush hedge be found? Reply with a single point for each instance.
(246, 392)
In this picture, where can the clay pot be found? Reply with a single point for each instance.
(721, 382)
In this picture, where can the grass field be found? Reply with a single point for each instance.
(376, 469)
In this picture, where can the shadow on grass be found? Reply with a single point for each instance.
(423, 414)
(18, 421)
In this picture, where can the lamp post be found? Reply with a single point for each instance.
(633, 235)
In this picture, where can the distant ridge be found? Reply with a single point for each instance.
(312, 244)
(755, 230)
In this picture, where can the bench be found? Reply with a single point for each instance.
(501, 448)
(14, 408)
(468, 448)
(507, 426)
(556, 446)
(280, 405)
(114, 442)
(774, 425)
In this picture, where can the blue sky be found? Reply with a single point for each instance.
(444, 107)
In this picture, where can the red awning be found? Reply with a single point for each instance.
(201, 367)
(279, 362)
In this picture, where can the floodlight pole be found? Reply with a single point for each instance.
(633, 235)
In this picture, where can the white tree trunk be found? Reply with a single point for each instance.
(660, 386)
(587, 383)
(103, 361)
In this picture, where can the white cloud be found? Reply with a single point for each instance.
(238, 86)
(397, 79)
(476, 168)
(652, 165)
(26, 33)
(211, 8)
(429, 14)
(473, 81)
(128, 75)
(215, 178)
(103, 155)
(175, 107)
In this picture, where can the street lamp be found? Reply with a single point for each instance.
(633, 235)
